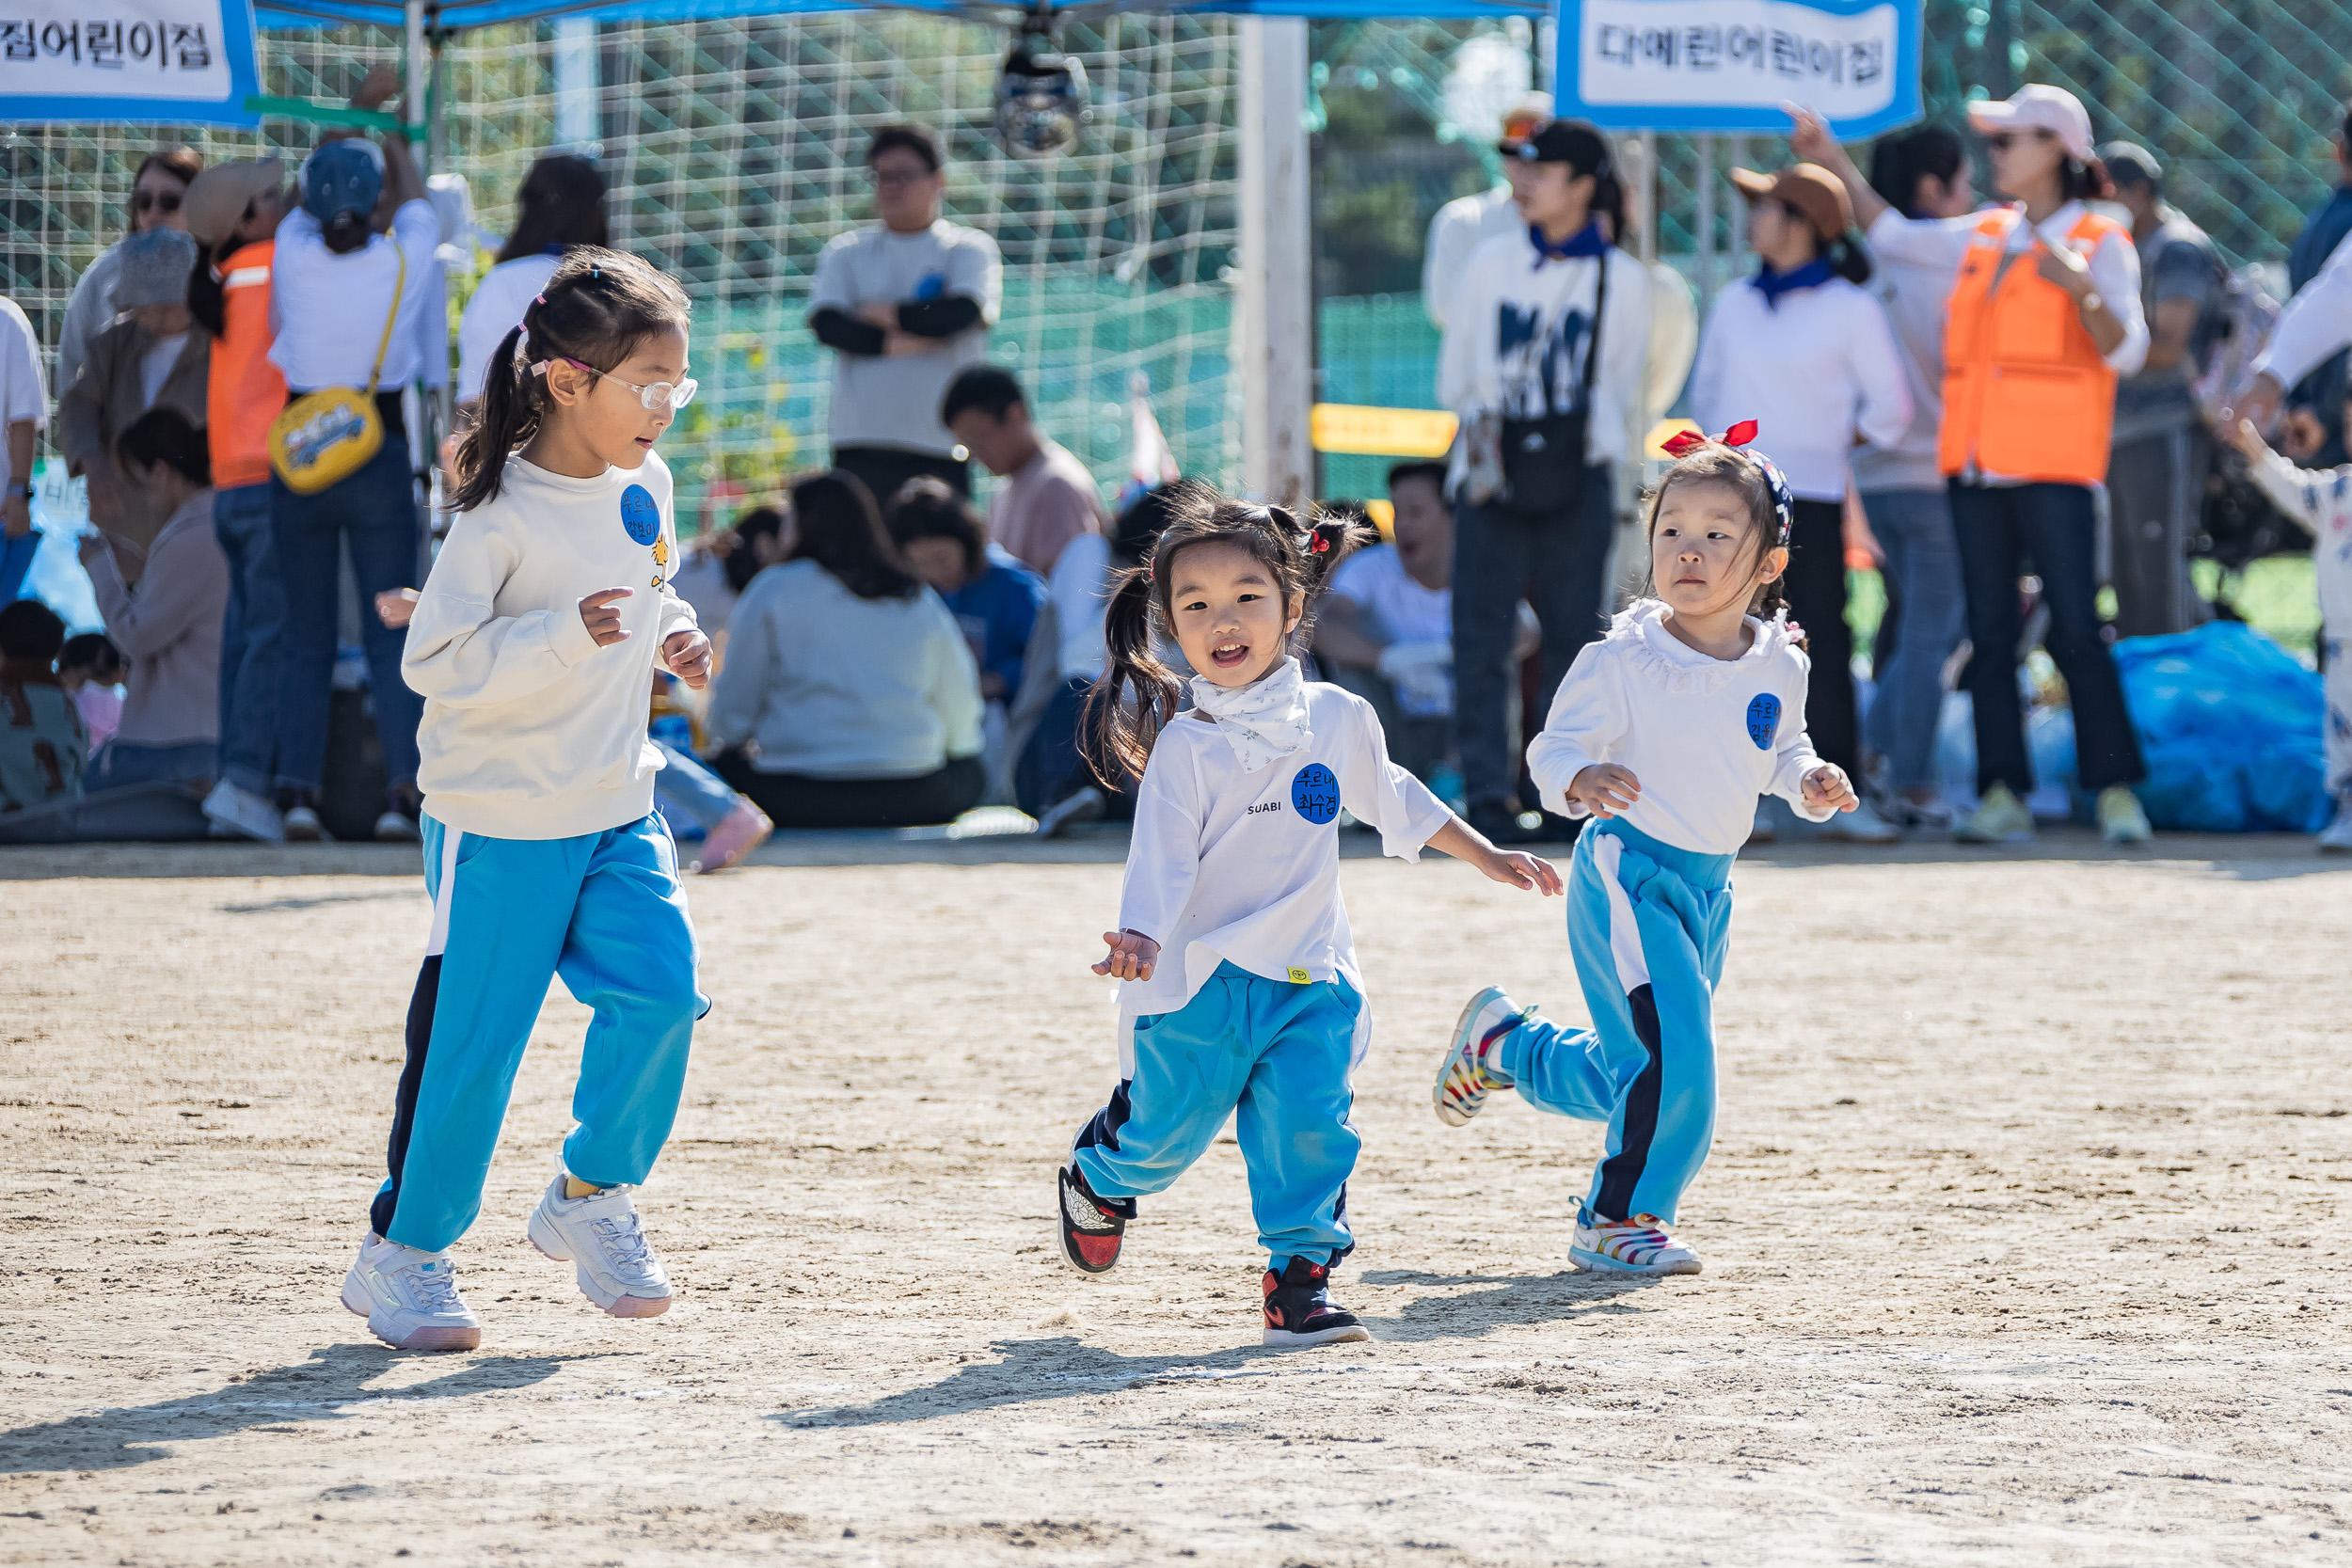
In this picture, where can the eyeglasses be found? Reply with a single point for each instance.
(661, 395)
(897, 179)
(155, 202)
(2002, 141)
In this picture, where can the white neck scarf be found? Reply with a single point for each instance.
(1265, 720)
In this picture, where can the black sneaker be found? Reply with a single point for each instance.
(1092, 1229)
(1300, 1310)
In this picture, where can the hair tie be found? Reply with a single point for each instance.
(596, 274)
(1321, 543)
(540, 300)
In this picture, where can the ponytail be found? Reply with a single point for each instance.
(1138, 696)
(1849, 258)
(599, 308)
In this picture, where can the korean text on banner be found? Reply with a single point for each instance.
(167, 61)
(1730, 65)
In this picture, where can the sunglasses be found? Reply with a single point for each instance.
(155, 202)
(2002, 141)
(661, 395)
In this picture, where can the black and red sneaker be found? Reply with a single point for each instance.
(1091, 1228)
(1300, 1310)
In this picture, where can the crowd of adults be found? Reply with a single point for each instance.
(1965, 390)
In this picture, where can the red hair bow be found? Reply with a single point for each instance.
(1683, 443)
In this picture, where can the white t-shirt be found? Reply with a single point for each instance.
(496, 308)
(23, 392)
(1814, 370)
(1704, 736)
(1402, 611)
(328, 310)
(882, 402)
(1461, 227)
(155, 364)
(531, 730)
(1227, 865)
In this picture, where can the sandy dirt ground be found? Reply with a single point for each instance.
(2025, 1234)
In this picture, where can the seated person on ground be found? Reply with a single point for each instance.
(848, 698)
(43, 743)
(1383, 629)
(91, 667)
(993, 598)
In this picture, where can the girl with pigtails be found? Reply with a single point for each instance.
(1239, 989)
(533, 644)
(1663, 735)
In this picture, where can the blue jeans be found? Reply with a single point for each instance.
(117, 763)
(376, 510)
(249, 638)
(685, 787)
(1556, 564)
(1051, 767)
(1915, 528)
(603, 910)
(2000, 529)
(1273, 1055)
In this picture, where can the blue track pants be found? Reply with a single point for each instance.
(1650, 925)
(1273, 1055)
(605, 911)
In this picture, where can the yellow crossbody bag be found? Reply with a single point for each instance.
(326, 436)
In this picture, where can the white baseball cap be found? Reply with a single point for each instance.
(2038, 107)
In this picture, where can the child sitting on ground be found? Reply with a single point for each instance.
(43, 743)
(91, 669)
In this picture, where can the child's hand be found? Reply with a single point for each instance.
(396, 607)
(1133, 955)
(1532, 873)
(688, 655)
(2249, 441)
(599, 611)
(1827, 785)
(1604, 788)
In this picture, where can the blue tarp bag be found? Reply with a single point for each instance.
(2229, 723)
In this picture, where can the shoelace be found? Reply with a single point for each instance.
(436, 1289)
(623, 1242)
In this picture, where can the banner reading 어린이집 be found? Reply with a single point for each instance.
(174, 62)
(1730, 65)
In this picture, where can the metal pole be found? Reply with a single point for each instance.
(413, 94)
(576, 86)
(1704, 188)
(1275, 283)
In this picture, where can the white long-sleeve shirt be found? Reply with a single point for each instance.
(531, 730)
(1515, 345)
(1461, 226)
(1228, 865)
(1704, 736)
(2315, 323)
(1813, 371)
(2113, 265)
(1916, 298)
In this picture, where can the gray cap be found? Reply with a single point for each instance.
(2130, 164)
(154, 269)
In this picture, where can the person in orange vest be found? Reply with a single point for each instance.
(232, 210)
(2044, 317)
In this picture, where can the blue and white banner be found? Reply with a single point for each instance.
(168, 62)
(1730, 65)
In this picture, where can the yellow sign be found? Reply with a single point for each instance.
(1356, 428)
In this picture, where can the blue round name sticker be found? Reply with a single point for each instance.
(1315, 794)
(639, 516)
(1763, 721)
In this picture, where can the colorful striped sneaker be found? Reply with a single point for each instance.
(1638, 1245)
(1468, 1074)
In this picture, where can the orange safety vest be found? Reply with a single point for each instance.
(247, 391)
(2027, 394)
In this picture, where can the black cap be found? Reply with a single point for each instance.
(2129, 164)
(1567, 141)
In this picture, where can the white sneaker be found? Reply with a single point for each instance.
(1861, 825)
(2001, 817)
(392, 828)
(2120, 818)
(1463, 1082)
(2336, 838)
(1073, 811)
(237, 813)
(1638, 1245)
(302, 826)
(409, 1298)
(601, 1237)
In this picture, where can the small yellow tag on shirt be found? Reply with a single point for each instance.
(1299, 976)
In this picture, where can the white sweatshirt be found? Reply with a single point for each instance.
(1516, 335)
(1704, 736)
(2315, 323)
(1814, 371)
(1232, 865)
(531, 730)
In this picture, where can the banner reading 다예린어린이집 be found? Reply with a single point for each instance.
(173, 62)
(1730, 65)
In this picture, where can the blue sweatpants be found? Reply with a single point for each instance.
(1275, 1055)
(1650, 925)
(605, 911)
